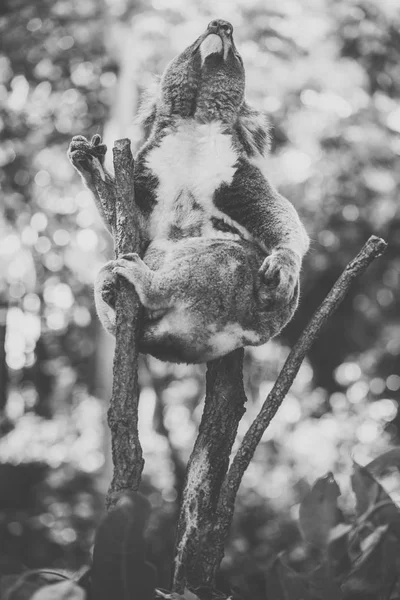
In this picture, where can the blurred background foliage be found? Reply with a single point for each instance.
(328, 74)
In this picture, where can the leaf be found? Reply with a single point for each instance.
(24, 586)
(283, 583)
(323, 584)
(83, 579)
(370, 496)
(338, 557)
(385, 462)
(119, 568)
(66, 590)
(373, 539)
(340, 530)
(319, 513)
(187, 595)
(376, 570)
(7, 583)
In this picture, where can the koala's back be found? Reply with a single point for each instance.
(187, 165)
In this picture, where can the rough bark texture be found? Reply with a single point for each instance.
(118, 205)
(208, 506)
(198, 528)
(123, 411)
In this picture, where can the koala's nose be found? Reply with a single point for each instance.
(220, 26)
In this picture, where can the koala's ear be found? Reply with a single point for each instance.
(253, 128)
(148, 107)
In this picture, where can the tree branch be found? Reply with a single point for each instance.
(208, 502)
(207, 467)
(373, 248)
(118, 204)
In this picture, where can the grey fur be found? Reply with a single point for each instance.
(218, 273)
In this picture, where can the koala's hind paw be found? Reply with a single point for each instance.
(280, 272)
(82, 153)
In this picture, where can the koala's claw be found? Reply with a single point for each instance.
(132, 257)
(281, 276)
(129, 266)
(81, 152)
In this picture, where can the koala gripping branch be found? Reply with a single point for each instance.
(117, 200)
(211, 488)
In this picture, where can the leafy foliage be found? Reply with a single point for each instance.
(118, 569)
(351, 559)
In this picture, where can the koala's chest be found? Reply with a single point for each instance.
(190, 164)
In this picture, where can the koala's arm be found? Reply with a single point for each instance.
(88, 159)
(272, 220)
(269, 217)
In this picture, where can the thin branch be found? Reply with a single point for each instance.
(374, 248)
(123, 411)
(105, 188)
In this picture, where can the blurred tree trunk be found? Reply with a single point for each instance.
(3, 363)
(119, 41)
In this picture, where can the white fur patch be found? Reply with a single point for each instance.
(211, 45)
(231, 337)
(193, 160)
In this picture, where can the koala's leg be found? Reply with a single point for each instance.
(104, 296)
(280, 272)
(88, 159)
(152, 295)
(272, 220)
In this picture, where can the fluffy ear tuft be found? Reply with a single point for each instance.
(148, 107)
(253, 129)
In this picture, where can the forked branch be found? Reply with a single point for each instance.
(216, 519)
(373, 248)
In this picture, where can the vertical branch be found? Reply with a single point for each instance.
(117, 204)
(123, 411)
(195, 560)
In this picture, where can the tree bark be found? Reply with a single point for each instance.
(198, 528)
(123, 411)
(117, 199)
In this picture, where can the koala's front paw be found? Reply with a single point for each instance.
(81, 153)
(129, 266)
(280, 272)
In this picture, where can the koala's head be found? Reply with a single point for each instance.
(205, 81)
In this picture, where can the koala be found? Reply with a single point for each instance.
(222, 248)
